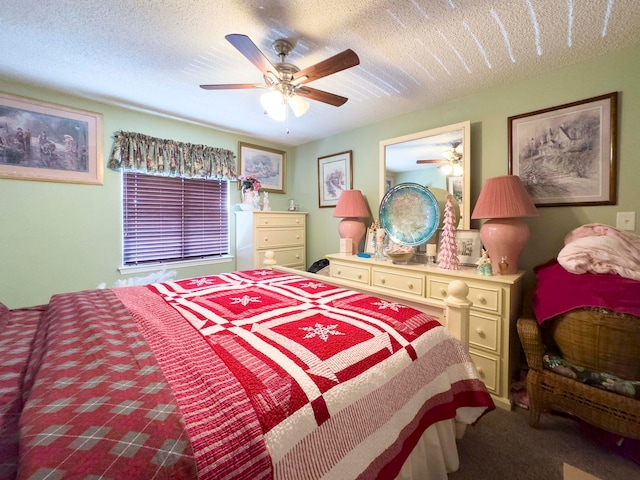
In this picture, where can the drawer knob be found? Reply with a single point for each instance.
(480, 372)
(382, 281)
(480, 332)
(297, 256)
(359, 276)
(297, 237)
(443, 292)
(410, 286)
(266, 222)
(481, 299)
(339, 272)
(266, 239)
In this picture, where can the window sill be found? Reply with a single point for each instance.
(152, 267)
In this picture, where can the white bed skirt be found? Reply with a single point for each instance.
(436, 454)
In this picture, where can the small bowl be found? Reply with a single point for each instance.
(400, 258)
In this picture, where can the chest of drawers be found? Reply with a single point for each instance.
(281, 232)
(493, 343)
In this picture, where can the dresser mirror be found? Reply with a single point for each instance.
(436, 158)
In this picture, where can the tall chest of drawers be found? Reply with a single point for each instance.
(493, 342)
(282, 232)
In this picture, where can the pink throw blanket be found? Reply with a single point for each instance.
(598, 248)
(559, 291)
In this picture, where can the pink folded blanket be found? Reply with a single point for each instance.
(559, 291)
(602, 249)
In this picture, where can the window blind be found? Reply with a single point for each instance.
(173, 218)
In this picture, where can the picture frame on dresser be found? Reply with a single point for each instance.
(334, 176)
(468, 244)
(267, 164)
(50, 143)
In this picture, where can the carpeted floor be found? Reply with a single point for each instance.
(503, 446)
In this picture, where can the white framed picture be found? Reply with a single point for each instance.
(469, 246)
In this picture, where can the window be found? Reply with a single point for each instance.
(171, 218)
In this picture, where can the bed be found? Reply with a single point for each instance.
(263, 373)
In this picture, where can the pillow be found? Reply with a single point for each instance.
(594, 378)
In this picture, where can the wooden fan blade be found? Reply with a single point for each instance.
(341, 61)
(430, 161)
(231, 86)
(249, 49)
(321, 96)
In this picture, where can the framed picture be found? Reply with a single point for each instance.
(334, 176)
(468, 244)
(566, 155)
(370, 245)
(51, 143)
(389, 183)
(455, 186)
(267, 164)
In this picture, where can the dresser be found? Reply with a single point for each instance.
(281, 232)
(493, 339)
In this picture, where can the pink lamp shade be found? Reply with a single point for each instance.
(352, 208)
(504, 200)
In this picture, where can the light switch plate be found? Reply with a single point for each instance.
(626, 221)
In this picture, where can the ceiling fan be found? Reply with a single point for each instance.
(451, 162)
(286, 81)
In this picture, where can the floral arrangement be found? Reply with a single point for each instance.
(250, 182)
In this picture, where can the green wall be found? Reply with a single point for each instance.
(57, 237)
(488, 113)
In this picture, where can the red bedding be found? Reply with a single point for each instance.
(271, 375)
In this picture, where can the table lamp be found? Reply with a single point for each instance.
(352, 208)
(504, 200)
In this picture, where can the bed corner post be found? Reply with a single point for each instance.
(269, 259)
(457, 311)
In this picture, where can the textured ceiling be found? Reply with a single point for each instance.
(154, 54)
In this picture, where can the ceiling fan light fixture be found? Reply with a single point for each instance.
(274, 105)
(446, 168)
(298, 105)
(457, 169)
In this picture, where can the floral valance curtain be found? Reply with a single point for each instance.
(135, 152)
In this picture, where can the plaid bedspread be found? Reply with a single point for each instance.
(97, 404)
(271, 375)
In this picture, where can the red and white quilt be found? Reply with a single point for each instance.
(329, 370)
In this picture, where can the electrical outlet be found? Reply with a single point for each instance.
(626, 221)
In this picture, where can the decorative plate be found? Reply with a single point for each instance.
(409, 214)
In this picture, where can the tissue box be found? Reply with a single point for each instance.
(345, 245)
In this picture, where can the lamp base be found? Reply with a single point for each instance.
(504, 238)
(354, 229)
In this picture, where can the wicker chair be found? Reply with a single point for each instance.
(589, 338)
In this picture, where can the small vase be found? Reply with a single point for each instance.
(247, 196)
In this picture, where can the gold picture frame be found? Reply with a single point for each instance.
(267, 164)
(50, 143)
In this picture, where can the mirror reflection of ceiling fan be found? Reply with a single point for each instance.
(286, 82)
(452, 162)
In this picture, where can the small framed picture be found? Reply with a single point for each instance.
(469, 246)
(370, 245)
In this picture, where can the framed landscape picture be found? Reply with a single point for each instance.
(52, 143)
(566, 155)
(267, 164)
